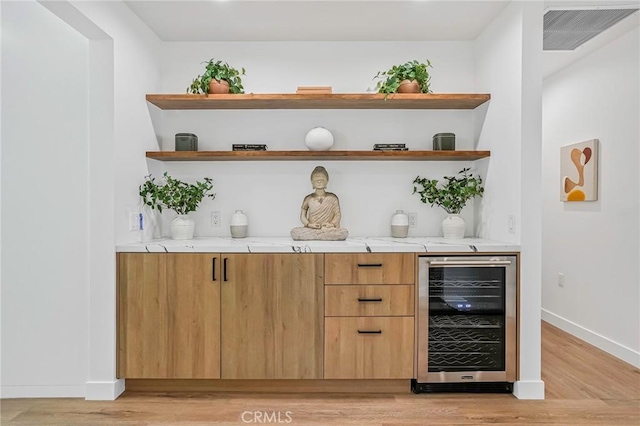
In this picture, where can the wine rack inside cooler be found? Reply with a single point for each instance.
(466, 319)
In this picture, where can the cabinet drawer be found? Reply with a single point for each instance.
(368, 300)
(368, 348)
(369, 268)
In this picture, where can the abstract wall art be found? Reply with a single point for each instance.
(579, 171)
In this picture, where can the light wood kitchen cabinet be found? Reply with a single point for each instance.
(168, 315)
(369, 268)
(272, 316)
(369, 348)
(369, 316)
(368, 300)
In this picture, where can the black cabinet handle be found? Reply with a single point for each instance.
(369, 265)
(213, 269)
(377, 299)
(224, 269)
(369, 331)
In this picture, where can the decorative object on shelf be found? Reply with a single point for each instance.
(410, 77)
(319, 139)
(409, 86)
(178, 196)
(444, 142)
(249, 147)
(186, 142)
(390, 147)
(320, 212)
(452, 197)
(314, 90)
(399, 224)
(579, 171)
(218, 78)
(239, 224)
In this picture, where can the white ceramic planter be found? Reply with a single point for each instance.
(182, 227)
(453, 226)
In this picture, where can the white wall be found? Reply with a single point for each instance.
(271, 193)
(45, 234)
(595, 244)
(508, 66)
(136, 73)
(129, 56)
(121, 63)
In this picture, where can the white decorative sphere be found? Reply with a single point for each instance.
(319, 139)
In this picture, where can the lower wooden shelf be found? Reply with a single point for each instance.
(317, 155)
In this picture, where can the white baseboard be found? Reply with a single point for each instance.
(27, 391)
(104, 391)
(622, 352)
(528, 389)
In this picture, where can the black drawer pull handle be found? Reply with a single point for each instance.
(377, 299)
(213, 269)
(369, 265)
(369, 331)
(224, 269)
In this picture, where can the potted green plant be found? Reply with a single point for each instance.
(410, 77)
(452, 197)
(218, 78)
(178, 196)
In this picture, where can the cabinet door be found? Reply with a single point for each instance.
(169, 315)
(369, 348)
(272, 316)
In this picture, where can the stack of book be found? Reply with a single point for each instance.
(314, 90)
(390, 147)
(249, 147)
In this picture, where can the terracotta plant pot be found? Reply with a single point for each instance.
(218, 87)
(409, 86)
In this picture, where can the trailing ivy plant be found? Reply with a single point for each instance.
(389, 80)
(217, 70)
(174, 194)
(453, 195)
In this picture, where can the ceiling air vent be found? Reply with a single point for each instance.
(568, 29)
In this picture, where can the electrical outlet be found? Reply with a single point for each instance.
(560, 279)
(413, 220)
(512, 224)
(216, 217)
(134, 221)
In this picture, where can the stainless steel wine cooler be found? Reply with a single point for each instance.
(466, 324)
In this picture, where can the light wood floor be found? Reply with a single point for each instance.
(584, 386)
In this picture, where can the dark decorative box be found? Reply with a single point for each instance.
(186, 142)
(444, 142)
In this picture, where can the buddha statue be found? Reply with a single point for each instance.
(320, 213)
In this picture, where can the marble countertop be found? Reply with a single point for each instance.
(287, 245)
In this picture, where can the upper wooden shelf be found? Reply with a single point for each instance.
(321, 101)
(317, 155)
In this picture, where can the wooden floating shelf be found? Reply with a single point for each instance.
(321, 101)
(317, 155)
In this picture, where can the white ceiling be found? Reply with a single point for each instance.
(354, 20)
(238, 20)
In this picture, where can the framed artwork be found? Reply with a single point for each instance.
(579, 171)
